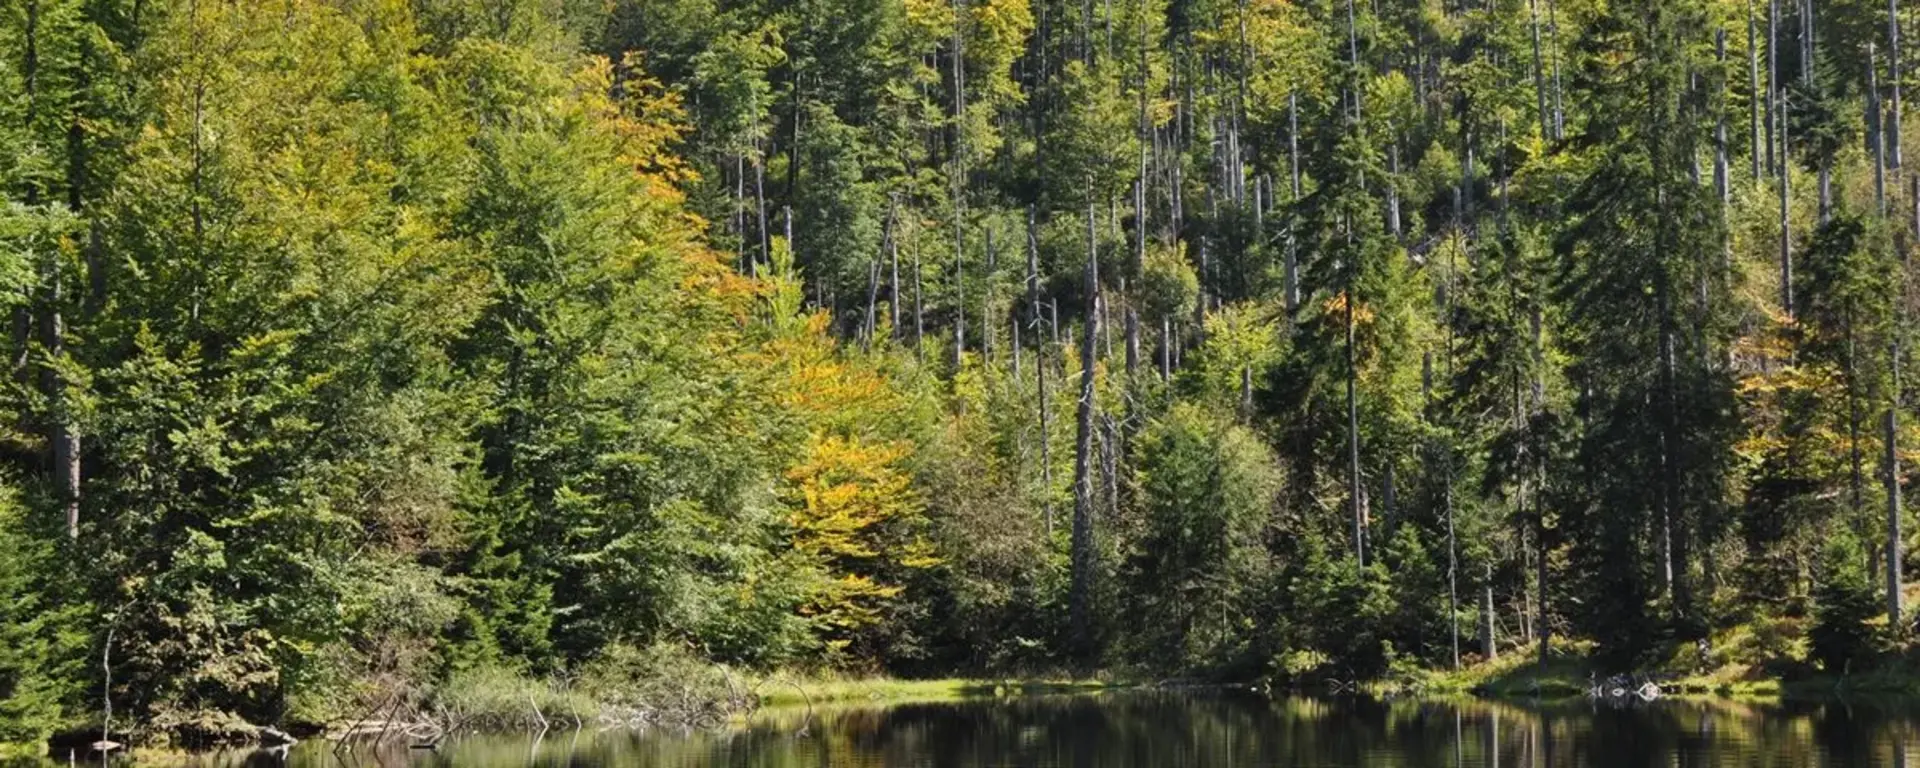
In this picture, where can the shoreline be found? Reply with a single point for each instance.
(1565, 679)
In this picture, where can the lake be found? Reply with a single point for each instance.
(1144, 728)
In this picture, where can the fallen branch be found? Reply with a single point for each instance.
(536, 712)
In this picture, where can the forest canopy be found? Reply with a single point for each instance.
(362, 347)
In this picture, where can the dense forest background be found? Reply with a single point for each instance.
(359, 345)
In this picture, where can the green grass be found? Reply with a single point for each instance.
(1747, 662)
(786, 690)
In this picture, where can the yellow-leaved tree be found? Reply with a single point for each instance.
(857, 515)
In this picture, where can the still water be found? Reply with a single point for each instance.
(1166, 729)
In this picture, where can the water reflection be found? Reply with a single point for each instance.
(1158, 729)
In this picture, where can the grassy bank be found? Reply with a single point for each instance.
(1732, 673)
(781, 690)
(1523, 676)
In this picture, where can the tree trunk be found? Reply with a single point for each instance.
(737, 219)
(1774, 162)
(1856, 480)
(1875, 149)
(1758, 99)
(1807, 43)
(1824, 179)
(1393, 190)
(1894, 549)
(1489, 645)
(959, 191)
(1354, 492)
(919, 308)
(1292, 269)
(1539, 70)
(1719, 125)
(1453, 571)
(1786, 230)
(1353, 60)
(1082, 544)
(893, 259)
(760, 202)
(871, 319)
(986, 303)
(959, 310)
(1246, 394)
(1165, 352)
(1892, 137)
(1013, 328)
(1139, 268)
(1040, 371)
(1466, 174)
(1262, 195)
(63, 439)
(1133, 340)
(1553, 62)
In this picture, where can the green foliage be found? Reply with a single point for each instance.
(1350, 606)
(40, 643)
(1841, 638)
(1205, 490)
(460, 346)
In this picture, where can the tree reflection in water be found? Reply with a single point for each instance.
(1222, 729)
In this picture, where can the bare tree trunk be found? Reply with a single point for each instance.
(959, 310)
(1686, 99)
(1719, 125)
(1139, 267)
(1489, 645)
(893, 258)
(1292, 275)
(1040, 370)
(1874, 146)
(1786, 230)
(737, 218)
(1353, 59)
(959, 191)
(1082, 544)
(64, 440)
(1893, 77)
(1774, 163)
(1393, 190)
(1201, 298)
(1553, 39)
(1453, 574)
(1759, 100)
(1354, 492)
(986, 303)
(1807, 43)
(1013, 328)
(1894, 549)
(1856, 479)
(1262, 195)
(919, 307)
(1539, 70)
(1446, 473)
(1466, 175)
(871, 319)
(1246, 393)
(1824, 179)
(760, 202)
(1133, 340)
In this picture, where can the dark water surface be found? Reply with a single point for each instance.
(1164, 729)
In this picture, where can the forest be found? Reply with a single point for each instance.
(364, 349)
